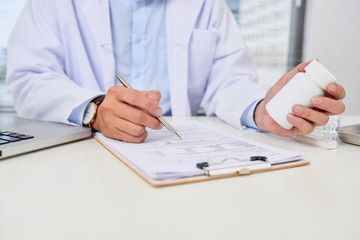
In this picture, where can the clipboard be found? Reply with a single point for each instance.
(215, 174)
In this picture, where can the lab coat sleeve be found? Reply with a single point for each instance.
(232, 82)
(36, 74)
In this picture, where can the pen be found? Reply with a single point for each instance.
(161, 119)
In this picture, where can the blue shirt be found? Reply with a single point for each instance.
(139, 26)
(139, 39)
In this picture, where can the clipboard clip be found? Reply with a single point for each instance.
(240, 170)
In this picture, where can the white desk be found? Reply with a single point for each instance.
(81, 191)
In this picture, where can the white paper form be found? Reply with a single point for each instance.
(164, 156)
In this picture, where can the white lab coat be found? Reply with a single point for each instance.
(60, 55)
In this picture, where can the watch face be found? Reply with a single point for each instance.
(89, 113)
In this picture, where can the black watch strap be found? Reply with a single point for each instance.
(98, 100)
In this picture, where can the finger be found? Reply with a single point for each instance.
(318, 118)
(287, 77)
(132, 139)
(126, 126)
(301, 126)
(112, 108)
(121, 135)
(135, 98)
(336, 90)
(154, 95)
(108, 120)
(117, 128)
(332, 106)
(121, 129)
(137, 116)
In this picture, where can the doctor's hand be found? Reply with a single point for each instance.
(121, 115)
(302, 118)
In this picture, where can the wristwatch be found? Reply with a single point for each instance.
(91, 111)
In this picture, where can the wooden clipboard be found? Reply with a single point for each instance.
(163, 183)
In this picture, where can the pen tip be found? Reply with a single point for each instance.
(178, 135)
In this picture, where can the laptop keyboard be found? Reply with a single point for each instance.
(8, 137)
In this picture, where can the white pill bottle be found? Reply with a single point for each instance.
(299, 90)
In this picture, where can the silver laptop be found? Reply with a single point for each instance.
(21, 135)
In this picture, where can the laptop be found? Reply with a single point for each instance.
(21, 135)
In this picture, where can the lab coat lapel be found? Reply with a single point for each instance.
(181, 17)
(97, 14)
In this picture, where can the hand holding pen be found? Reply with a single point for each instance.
(125, 113)
(160, 118)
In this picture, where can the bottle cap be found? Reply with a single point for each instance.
(319, 73)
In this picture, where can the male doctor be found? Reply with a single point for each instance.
(63, 56)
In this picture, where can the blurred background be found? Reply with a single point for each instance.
(9, 12)
(279, 34)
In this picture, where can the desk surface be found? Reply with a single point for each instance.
(81, 191)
